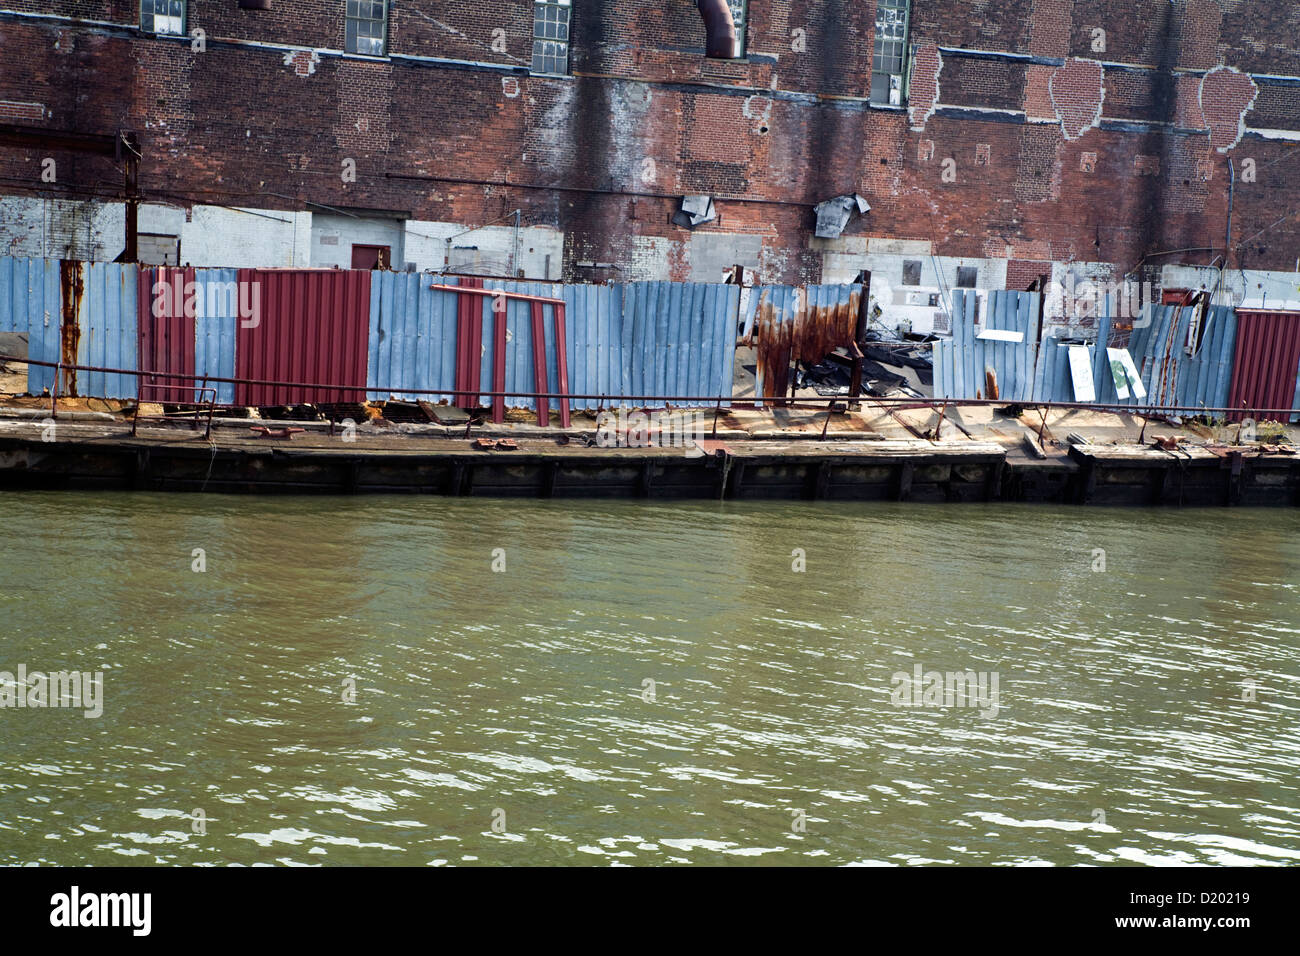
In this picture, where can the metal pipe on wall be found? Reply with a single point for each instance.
(719, 29)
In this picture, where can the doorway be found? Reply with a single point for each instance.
(371, 257)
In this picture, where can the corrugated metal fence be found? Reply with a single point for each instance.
(1170, 374)
(386, 331)
(1267, 348)
(380, 330)
(29, 306)
(310, 326)
(961, 363)
(790, 323)
(636, 338)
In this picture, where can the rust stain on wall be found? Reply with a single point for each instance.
(72, 285)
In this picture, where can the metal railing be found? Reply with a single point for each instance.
(198, 406)
(892, 404)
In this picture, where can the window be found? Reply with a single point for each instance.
(367, 27)
(163, 16)
(738, 12)
(889, 53)
(966, 277)
(551, 36)
(155, 249)
(911, 272)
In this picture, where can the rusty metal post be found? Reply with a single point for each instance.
(475, 357)
(212, 407)
(132, 166)
(498, 360)
(562, 363)
(859, 334)
(717, 410)
(539, 363)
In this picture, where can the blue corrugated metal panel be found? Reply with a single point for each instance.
(216, 317)
(959, 362)
(1053, 381)
(109, 337)
(519, 338)
(637, 338)
(1295, 417)
(1210, 369)
(1157, 345)
(829, 295)
(30, 303)
(787, 300)
(1169, 374)
(412, 340)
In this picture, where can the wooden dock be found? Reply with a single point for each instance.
(101, 456)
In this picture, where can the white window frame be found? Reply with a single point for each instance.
(890, 52)
(163, 24)
(551, 37)
(352, 13)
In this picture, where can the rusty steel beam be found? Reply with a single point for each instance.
(859, 333)
(122, 146)
(539, 362)
(562, 362)
(478, 290)
(499, 364)
(101, 144)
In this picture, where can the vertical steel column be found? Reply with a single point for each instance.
(462, 349)
(499, 358)
(539, 364)
(475, 356)
(562, 363)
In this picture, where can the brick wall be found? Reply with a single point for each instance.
(1010, 159)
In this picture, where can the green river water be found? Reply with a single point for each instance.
(646, 683)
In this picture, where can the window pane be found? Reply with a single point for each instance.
(550, 36)
(366, 26)
(889, 51)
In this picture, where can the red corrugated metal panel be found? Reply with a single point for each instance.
(312, 327)
(1264, 364)
(165, 331)
(469, 342)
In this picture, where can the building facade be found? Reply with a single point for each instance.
(993, 144)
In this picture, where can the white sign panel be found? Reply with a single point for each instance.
(1081, 373)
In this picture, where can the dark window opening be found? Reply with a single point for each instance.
(911, 272)
(371, 257)
(966, 277)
